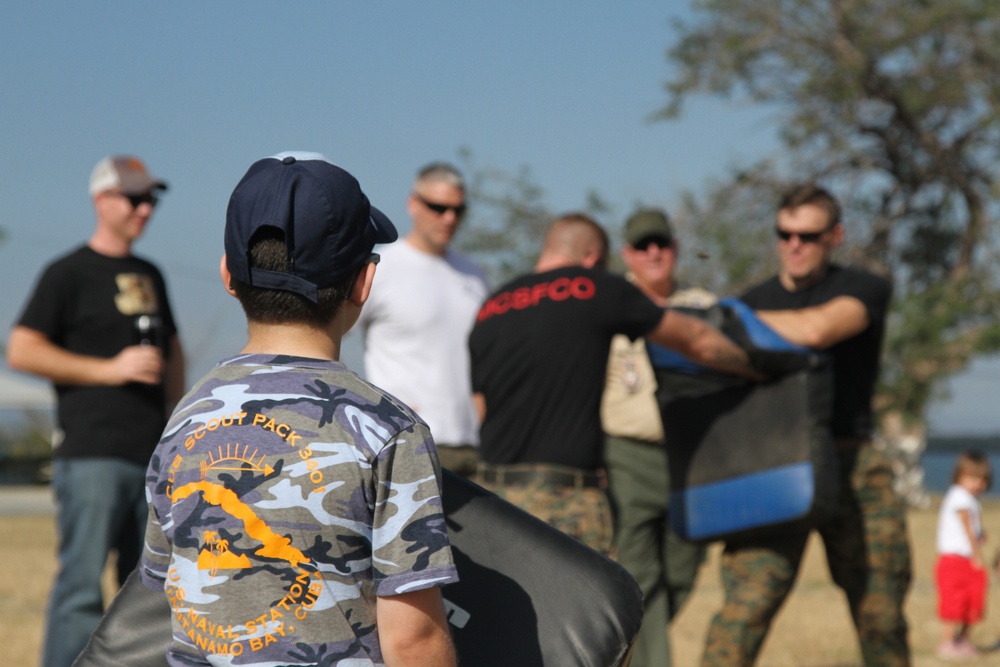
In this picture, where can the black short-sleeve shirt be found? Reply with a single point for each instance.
(90, 304)
(856, 359)
(539, 352)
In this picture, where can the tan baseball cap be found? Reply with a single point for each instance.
(648, 222)
(123, 172)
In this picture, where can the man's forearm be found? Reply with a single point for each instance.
(715, 350)
(819, 327)
(31, 352)
(702, 343)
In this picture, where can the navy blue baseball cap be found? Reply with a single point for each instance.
(329, 225)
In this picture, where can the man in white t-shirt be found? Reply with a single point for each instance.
(415, 333)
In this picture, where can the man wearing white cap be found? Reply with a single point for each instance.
(99, 326)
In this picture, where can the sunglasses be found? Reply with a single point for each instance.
(137, 200)
(441, 209)
(804, 237)
(643, 244)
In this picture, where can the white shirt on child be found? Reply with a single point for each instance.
(951, 535)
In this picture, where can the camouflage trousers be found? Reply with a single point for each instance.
(582, 512)
(460, 459)
(868, 554)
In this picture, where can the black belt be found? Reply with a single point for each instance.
(524, 474)
(849, 444)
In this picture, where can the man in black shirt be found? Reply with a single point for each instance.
(99, 326)
(539, 352)
(817, 303)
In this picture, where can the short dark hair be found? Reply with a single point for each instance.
(587, 231)
(272, 306)
(810, 193)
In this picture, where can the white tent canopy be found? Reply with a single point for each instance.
(23, 392)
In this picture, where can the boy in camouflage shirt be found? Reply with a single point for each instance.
(295, 513)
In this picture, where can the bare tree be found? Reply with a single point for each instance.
(509, 217)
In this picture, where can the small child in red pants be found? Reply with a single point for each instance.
(960, 572)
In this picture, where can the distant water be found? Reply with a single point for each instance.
(939, 466)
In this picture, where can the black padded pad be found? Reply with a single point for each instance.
(748, 459)
(534, 595)
(135, 629)
(528, 596)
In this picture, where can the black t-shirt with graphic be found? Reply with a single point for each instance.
(539, 353)
(91, 304)
(856, 359)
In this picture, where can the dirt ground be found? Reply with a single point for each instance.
(812, 630)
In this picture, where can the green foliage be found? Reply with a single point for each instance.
(27, 442)
(934, 334)
(507, 220)
(25, 454)
(509, 216)
(722, 235)
(894, 105)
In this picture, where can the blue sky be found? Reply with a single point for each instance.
(200, 90)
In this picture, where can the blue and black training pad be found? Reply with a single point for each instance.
(747, 459)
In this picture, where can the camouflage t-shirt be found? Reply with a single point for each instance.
(285, 495)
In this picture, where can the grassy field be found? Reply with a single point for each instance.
(812, 630)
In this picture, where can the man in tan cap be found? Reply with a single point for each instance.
(635, 452)
(99, 326)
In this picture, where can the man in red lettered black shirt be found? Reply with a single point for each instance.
(539, 352)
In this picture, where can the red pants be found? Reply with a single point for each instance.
(961, 589)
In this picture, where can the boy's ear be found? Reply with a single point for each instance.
(227, 278)
(362, 285)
